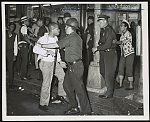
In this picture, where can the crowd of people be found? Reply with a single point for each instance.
(57, 49)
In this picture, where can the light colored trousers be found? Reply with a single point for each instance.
(47, 72)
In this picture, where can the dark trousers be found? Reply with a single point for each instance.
(31, 55)
(127, 64)
(10, 67)
(18, 62)
(23, 60)
(108, 64)
(73, 85)
(89, 56)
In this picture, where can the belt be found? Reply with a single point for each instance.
(25, 45)
(108, 50)
(74, 62)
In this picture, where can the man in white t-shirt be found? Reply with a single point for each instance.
(46, 58)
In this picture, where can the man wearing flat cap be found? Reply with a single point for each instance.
(66, 16)
(108, 54)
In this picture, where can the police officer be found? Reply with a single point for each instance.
(108, 55)
(73, 83)
(23, 44)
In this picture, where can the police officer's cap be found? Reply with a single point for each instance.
(102, 17)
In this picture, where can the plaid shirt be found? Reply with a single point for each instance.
(126, 46)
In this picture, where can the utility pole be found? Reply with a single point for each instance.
(95, 82)
(40, 11)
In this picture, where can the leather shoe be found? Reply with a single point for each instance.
(63, 100)
(59, 99)
(72, 111)
(43, 108)
(105, 96)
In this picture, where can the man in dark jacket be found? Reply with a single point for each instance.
(108, 54)
(73, 83)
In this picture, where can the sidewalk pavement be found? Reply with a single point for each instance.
(121, 104)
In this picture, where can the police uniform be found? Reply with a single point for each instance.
(73, 82)
(108, 56)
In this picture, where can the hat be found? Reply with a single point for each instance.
(24, 18)
(11, 23)
(91, 17)
(67, 15)
(72, 22)
(102, 16)
(124, 20)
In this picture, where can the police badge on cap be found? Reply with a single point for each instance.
(102, 16)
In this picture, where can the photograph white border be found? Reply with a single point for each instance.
(92, 117)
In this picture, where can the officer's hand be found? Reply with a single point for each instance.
(49, 52)
(94, 49)
(63, 64)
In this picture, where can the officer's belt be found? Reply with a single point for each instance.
(108, 50)
(74, 62)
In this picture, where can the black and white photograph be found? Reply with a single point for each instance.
(70, 61)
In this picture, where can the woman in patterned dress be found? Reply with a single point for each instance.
(127, 55)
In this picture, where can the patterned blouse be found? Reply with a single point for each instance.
(126, 46)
